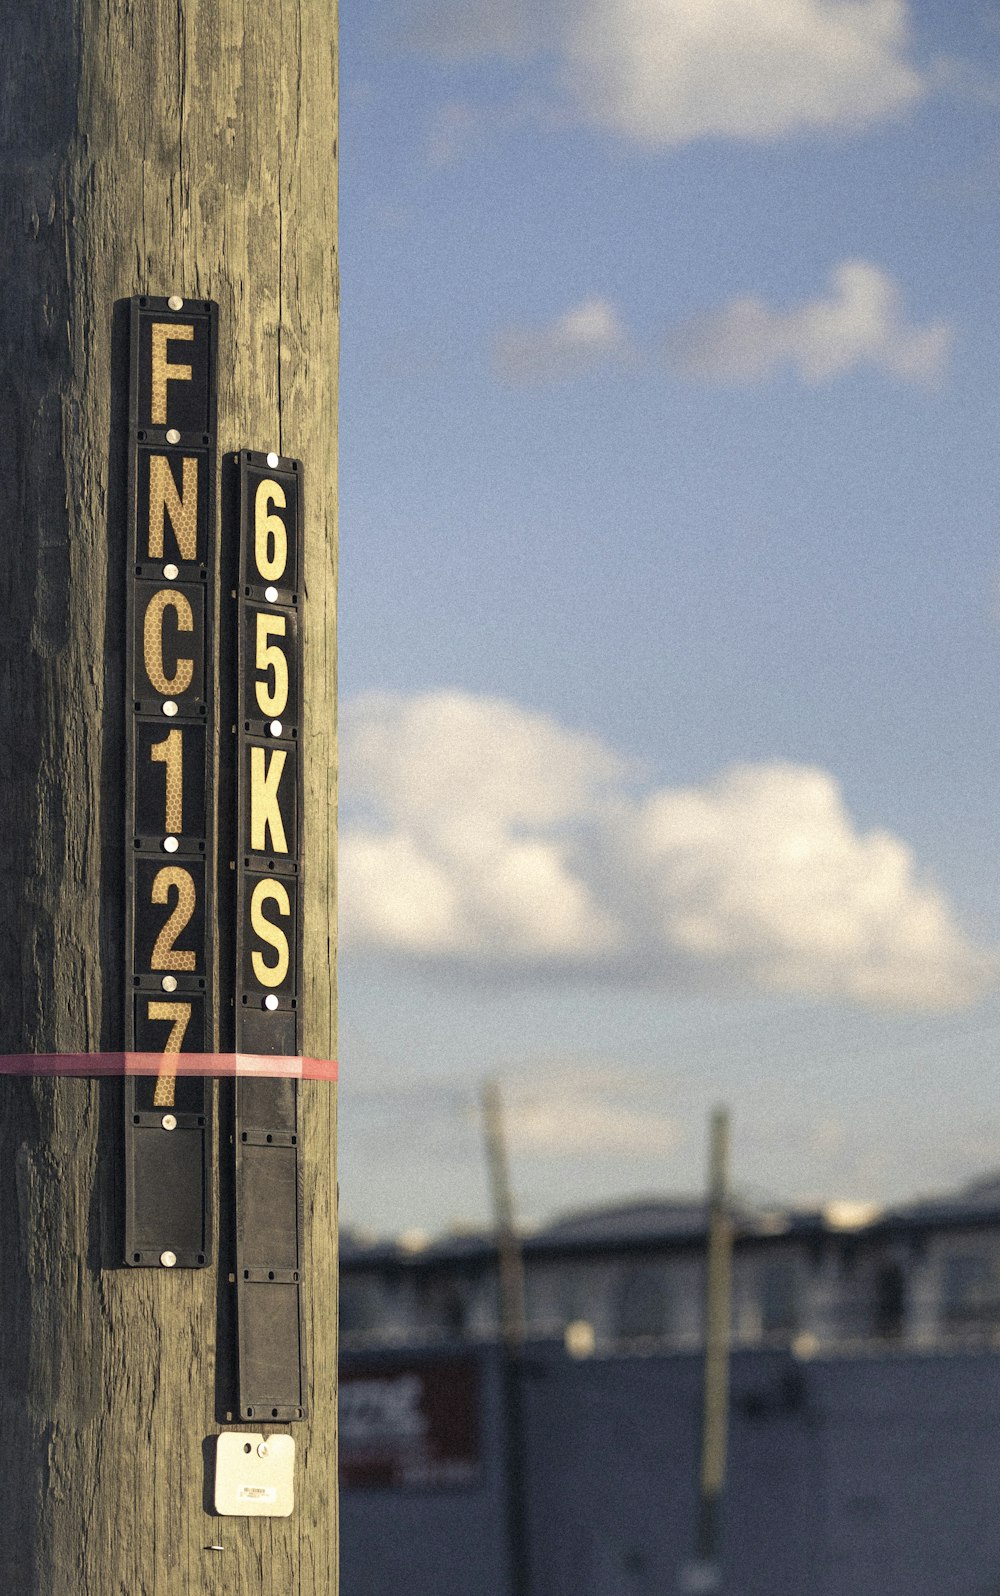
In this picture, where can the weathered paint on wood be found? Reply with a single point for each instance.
(181, 148)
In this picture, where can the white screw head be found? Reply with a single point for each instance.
(170, 844)
(169, 1122)
(271, 594)
(270, 1002)
(275, 728)
(168, 1259)
(173, 436)
(263, 1449)
(169, 707)
(169, 983)
(171, 572)
(175, 302)
(272, 460)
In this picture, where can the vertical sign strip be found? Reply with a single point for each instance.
(267, 940)
(169, 752)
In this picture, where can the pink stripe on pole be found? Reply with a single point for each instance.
(217, 1064)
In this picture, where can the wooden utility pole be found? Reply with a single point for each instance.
(510, 1262)
(509, 1256)
(185, 149)
(704, 1576)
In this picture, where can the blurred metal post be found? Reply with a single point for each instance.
(510, 1263)
(705, 1574)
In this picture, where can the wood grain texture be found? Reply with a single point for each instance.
(161, 146)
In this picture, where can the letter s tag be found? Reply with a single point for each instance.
(273, 972)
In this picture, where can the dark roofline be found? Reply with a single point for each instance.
(475, 1253)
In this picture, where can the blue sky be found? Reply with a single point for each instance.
(670, 604)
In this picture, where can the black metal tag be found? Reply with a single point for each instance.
(264, 786)
(169, 865)
(173, 367)
(270, 1361)
(265, 806)
(169, 647)
(167, 1170)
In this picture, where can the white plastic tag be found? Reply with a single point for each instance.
(254, 1477)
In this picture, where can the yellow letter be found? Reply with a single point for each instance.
(165, 955)
(265, 815)
(270, 657)
(182, 507)
(179, 1017)
(171, 753)
(269, 974)
(152, 642)
(163, 372)
(270, 545)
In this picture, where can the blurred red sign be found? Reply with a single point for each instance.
(410, 1422)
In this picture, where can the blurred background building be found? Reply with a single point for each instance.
(864, 1417)
(923, 1275)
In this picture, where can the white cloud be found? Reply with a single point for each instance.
(453, 132)
(588, 335)
(471, 851)
(663, 72)
(860, 321)
(577, 1113)
(762, 873)
(666, 71)
(481, 836)
(461, 30)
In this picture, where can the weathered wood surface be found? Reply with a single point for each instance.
(185, 148)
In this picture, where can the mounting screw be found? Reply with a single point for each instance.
(263, 1449)
(170, 844)
(275, 728)
(171, 572)
(175, 302)
(270, 1002)
(168, 1259)
(169, 983)
(271, 594)
(272, 460)
(169, 707)
(173, 436)
(169, 1122)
